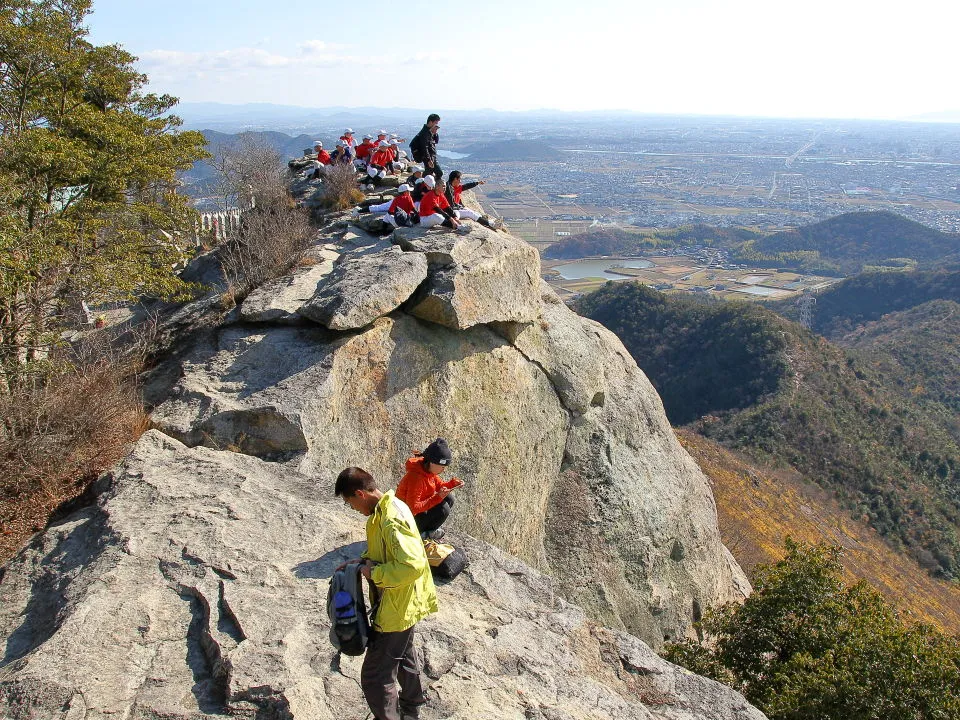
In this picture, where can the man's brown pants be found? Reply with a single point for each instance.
(392, 657)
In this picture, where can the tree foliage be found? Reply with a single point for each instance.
(805, 647)
(88, 163)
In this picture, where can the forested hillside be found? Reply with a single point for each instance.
(760, 507)
(842, 245)
(855, 240)
(918, 350)
(767, 386)
(868, 296)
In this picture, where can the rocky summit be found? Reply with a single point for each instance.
(194, 584)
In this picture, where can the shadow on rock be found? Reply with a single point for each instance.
(322, 568)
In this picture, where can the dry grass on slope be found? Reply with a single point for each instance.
(759, 507)
(57, 437)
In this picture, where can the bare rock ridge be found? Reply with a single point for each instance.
(195, 586)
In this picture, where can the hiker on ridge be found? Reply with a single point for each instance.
(423, 147)
(427, 496)
(455, 187)
(396, 563)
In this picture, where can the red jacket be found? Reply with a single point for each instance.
(433, 203)
(382, 158)
(403, 202)
(364, 149)
(418, 487)
(323, 157)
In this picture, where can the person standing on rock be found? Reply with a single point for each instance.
(396, 563)
(423, 147)
(429, 497)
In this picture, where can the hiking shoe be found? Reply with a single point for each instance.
(436, 534)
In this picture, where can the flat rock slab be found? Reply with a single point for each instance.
(279, 300)
(363, 288)
(478, 277)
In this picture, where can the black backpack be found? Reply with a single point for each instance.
(418, 148)
(446, 561)
(349, 623)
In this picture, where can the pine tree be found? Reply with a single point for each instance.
(88, 162)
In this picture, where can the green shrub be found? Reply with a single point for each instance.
(805, 647)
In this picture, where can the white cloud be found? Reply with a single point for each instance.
(312, 54)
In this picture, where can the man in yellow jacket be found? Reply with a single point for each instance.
(395, 562)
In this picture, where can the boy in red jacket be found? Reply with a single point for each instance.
(435, 208)
(400, 211)
(424, 492)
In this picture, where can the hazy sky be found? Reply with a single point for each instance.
(814, 58)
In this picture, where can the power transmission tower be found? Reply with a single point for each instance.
(805, 303)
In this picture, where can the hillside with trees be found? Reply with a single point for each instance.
(859, 239)
(865, 297)
(842, 245)
(807, 646)
(759, 507)
(919, 351)
(758, 383)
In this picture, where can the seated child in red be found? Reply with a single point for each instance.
(427, 496)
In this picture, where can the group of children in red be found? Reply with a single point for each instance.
(376, 157)
(429, 202)
(425, 199)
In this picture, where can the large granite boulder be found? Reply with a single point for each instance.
(478, 277)
(362, 289)
(195, 588)
(568, 459)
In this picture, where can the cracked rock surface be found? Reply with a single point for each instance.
(195, 588)
(196, 585)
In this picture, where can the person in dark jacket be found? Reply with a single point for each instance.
(456, 186)
(424, 146)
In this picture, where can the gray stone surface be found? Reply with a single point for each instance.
(190, 589)
(569, 460)
(279, 300)
(567, 350)
(361, 289)
(479, 277)
(195, 588)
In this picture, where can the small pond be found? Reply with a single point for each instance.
(599, 268)
(760, 290)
